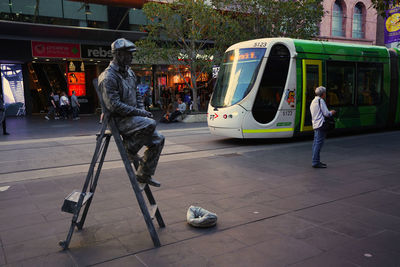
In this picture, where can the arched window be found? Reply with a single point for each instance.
(337, 19)
(358, 19)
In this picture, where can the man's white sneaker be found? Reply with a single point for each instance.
(47, 118)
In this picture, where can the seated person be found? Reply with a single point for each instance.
(178, 111)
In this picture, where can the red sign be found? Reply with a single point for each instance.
(55, 50)
(76, 82)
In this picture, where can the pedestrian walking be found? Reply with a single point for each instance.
(75, 106)
(319, 111)
(52, 107)
(64, 105)
(3, 114)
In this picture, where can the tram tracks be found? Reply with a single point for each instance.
(187, 154)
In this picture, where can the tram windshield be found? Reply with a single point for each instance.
(236, 76)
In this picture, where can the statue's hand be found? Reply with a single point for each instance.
(149, 114)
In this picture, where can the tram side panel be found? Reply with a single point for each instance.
(272, 104)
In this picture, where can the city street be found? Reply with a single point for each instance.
(273, 208)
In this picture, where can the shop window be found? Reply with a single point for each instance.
(340, 83)
(26, 7)
(50, 8)
(338, 19)
(137, 17)
(358, 21)
(75, 10)
(272, 84)
(369, 83)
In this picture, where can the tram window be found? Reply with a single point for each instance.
(340, 81)
(272, 84)
(236, 76)
(369, 83)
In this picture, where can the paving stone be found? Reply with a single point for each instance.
(253, 233)
(321, 238)
(2, 256)
(284, 224)
(247, 256)
(26, 233)
(98, 252)
(125, 261)
(386, 240)
(326, 260)
(31, 249)
(352, 228)
(286, 250)
(139, 241)
(14, 193)
(9, 223)
(297, 202)
(378, 219)
(326, 212)
(374, 199)
(366, 253)
(214, 244)
(169, 255)
(182, 231)
(60, 259)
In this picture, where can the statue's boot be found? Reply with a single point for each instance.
(148, 180)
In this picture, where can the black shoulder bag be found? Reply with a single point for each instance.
(329, 122)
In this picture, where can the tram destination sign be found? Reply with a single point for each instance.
(96, 51)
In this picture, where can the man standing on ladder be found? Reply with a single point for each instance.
(118, 87)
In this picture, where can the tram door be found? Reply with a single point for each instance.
(312, 78)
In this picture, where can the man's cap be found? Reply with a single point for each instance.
(123, 44)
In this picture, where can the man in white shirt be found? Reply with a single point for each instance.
(319, 111)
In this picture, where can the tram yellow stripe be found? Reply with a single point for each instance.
(268, 130)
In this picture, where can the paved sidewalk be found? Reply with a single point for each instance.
(36, 126)
(273, 208)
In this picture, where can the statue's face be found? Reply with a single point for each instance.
(124, 58)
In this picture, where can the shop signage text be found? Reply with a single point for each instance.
(55, 50)
(96, 51)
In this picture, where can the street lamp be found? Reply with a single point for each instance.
(87, 10)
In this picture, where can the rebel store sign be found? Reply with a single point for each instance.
(96, 51)
(55, 50)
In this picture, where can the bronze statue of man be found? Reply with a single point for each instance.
(118, 87)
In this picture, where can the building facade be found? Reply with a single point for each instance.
(350, 21)
(63, 45)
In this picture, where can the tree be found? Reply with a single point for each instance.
(274, 18)
(196, 33)
(382, 5)
(186, 32)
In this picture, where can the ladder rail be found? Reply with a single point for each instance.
(65, 244)
(134, 183)
(95, 180)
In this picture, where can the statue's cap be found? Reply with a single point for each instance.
(123, 44)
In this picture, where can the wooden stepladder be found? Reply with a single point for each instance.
(76, 200)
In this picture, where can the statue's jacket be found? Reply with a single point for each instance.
(122, 99)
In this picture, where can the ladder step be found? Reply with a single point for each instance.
(71, 201)
(152, 210)
(141, 186)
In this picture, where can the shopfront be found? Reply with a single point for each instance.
(64, 67)
(42, 67)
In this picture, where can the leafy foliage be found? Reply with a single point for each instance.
(272, 18)
(186, 32)
(196, 33)
(382, 5)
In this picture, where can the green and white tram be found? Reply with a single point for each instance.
(265, 87)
